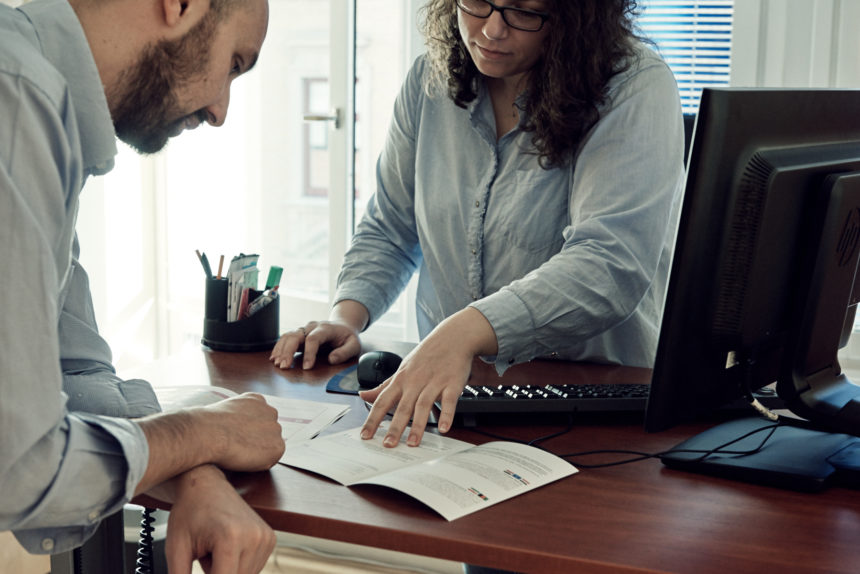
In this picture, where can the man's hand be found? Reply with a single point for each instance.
(211, 523)
(245, 430)
(240, 433)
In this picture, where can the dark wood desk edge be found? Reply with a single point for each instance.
(479, 553)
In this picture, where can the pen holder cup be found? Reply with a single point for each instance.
(259, 332)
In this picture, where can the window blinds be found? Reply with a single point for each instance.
(695, 39)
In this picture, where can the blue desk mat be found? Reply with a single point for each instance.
(345, 382)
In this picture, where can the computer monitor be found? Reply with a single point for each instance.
(761, 284)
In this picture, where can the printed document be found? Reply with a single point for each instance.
(452, 477)
(300, 420)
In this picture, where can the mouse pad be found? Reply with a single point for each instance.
(345, 382)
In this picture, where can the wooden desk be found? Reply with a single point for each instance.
(630, 518)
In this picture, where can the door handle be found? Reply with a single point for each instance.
(334, 116)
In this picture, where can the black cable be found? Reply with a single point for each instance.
(533, 442)
(749, 364)
(636, 455)
(145, 559)
(746, 389)
(719, 450)
(555, 434)
(704, 453)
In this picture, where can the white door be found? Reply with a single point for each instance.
(342, 63)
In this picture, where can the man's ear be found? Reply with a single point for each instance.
(181, 15)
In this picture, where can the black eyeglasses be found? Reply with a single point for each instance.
(518, 18)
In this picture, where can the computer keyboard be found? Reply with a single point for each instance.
(569, 398)
(553, 398)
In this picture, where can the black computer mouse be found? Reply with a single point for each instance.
(376, 366)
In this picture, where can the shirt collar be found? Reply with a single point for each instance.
(64, 44)
(481, 111)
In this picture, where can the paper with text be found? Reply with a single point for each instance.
(452, 477)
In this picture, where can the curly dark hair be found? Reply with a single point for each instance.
(589, 42)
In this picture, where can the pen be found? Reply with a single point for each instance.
(204, 262)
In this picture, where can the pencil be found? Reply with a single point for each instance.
(220, 266)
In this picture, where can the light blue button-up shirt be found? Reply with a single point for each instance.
(64, 465)
(569, 262)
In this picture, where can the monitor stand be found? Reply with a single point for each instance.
(794, 457)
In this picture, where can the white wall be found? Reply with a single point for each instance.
(796, 43)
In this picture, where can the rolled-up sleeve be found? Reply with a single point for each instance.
(85, 469)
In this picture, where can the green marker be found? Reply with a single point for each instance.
(274, 278)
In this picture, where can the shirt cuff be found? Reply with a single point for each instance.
(103, 393)
(365, 293)
(512, 323)
(74, 520)
(134, 446)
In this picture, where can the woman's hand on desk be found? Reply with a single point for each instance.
(340, 333)
(343, 340)
(438, 368)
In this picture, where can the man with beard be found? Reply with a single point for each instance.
(76, 442)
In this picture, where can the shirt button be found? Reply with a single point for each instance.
(93, 516)
(511, 361)
(474, 251)
(47, 544)
(477, 204)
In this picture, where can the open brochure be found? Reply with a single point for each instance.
(452, 477)
(300, 420)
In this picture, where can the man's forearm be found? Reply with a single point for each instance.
(174, 447)
(240, 433)
(171, 489)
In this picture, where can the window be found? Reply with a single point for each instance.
(266, 182)
(315, 137)
(695, 39)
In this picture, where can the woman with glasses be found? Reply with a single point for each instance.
(531, 176)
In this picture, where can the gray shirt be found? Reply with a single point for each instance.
(68, 456)
(570, 262)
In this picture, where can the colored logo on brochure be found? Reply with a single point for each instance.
(478, 494)
(512, 474)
